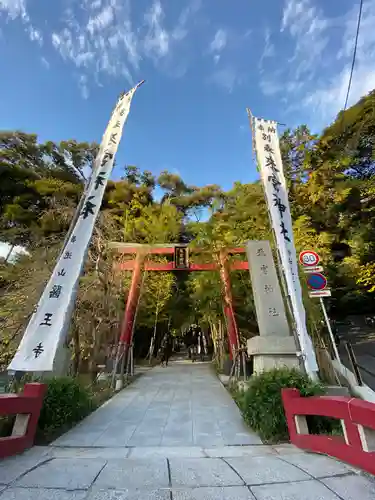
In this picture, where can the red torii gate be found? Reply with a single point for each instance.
(142, 251)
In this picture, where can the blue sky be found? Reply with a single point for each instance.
(65, 61)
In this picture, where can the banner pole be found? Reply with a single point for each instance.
(47, 330)
(278, 258)
(328, 323)
(269, 160)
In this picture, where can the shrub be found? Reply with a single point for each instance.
(262, 405)
(6, 425)
(66, 402)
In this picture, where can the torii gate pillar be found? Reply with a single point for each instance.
(127, 327)
(233, 339)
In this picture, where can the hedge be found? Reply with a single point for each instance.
(66, 403)
(262, 406)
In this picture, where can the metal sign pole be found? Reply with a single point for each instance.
(330, 330)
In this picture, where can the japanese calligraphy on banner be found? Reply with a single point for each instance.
(273, 179)
(48, 326)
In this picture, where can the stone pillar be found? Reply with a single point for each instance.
(275, 346)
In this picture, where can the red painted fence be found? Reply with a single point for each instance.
(26, 406)
(357, 419)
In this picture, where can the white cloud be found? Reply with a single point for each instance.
(181, 29)
(83, 86)
(35, 35)
(270, 87)
(330, 93)
(94, 4)
(156, 43)
(329, 99)
(45, 63)
(105, 41)
(102, 43)
(100, 21)
(219, 41)
(269, 48)
(71, 48)
(226, 78)
(14, 8)
(314, 76)
(307, 26)
(105, 38)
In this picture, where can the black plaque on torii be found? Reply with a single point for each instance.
(181, 257)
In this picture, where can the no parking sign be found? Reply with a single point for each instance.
(316, 281)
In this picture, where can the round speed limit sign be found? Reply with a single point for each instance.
(309, 258)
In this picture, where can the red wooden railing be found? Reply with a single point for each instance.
(357, 419)
(26, 406)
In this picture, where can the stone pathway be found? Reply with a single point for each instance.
(175, 434)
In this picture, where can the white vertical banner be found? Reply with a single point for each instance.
(275, 188)
(48, 326)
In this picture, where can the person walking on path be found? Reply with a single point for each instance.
(195, 340)
(166, 349)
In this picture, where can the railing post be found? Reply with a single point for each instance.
(353, 362)
(27, 407)
(357, 419)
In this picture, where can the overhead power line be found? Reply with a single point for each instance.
(354, 53)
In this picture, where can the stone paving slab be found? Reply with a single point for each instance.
(268, 477)
(129, 495)
(167, 452)
(134, 473)
(42, 494)
(59, 473)
(284, 449)
(306, 490)
(142, 456)
(202, 472)
(103, 453)
(13, 467)
(166, 407)
(317, 465)
(239, 451)
(352, 487)
(114, 437)
(266, 470)
(229, 493)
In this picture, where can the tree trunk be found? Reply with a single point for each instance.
(9, 253)
(76, 362)
(95, 352)
(214, 339)
(153, 338)
(221, 349)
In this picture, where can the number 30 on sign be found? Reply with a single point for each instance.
(309, 258)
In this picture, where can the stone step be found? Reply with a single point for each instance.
(337, 390)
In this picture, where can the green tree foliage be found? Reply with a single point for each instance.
(66, 403)
(332, 193)
(350, 140)
(184, 197)
(21, 287)
(37, 181)
(262, 406)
